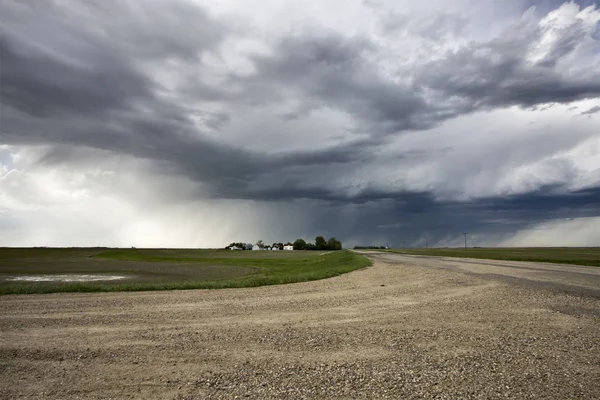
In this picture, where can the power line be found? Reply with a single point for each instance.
(465, 233)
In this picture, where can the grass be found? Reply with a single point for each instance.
(589, 256)
(168, 269)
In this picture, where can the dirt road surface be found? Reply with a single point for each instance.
(407, 327)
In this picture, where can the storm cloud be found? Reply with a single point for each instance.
(185, 123)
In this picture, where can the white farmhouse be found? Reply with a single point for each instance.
(288, 247)
(255, 247)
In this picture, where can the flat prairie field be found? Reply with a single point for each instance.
(48, 270)
(559, 255)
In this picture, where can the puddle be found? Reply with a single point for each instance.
(66, 278)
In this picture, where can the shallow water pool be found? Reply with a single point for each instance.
(65, 278)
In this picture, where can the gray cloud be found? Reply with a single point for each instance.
(155, 83)
(40, 85)
(591, 111)
(329, 69)
(407, 220)
(496, 75)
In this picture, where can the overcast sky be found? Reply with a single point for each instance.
(187, 123)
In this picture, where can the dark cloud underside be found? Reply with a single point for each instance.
(134, 81)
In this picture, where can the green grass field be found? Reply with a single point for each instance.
(166, 269)
(589, 256)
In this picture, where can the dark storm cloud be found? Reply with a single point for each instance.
(57, 69)
(81, 76)
(92, 92)
(41, 85)
(100, 105)
(83, 61)
(75, 87)
(334, 70)
(405, 220)
(329, 69)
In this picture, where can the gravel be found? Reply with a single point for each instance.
(388, 331)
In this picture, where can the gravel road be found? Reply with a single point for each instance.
(573, 279)
(407, 327)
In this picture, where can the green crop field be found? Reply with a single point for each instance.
(589, 256)
(47, 270)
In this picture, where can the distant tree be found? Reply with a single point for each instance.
(299, 244)
(280, 245)
(320, 243)
(334, 244)
(260, 244)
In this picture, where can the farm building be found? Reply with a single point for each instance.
(288, 247)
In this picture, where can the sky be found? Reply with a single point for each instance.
(198, 123)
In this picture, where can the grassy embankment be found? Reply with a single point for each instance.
(168, 269)
(589, 256)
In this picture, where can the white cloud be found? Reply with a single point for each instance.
(98, 205)
(503, 152)
(571, 232)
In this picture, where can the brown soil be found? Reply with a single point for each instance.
(389, 331)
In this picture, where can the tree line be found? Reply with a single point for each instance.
(320, 244)
(300, 244)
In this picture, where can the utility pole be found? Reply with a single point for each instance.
(426, 243)
(465, 233)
